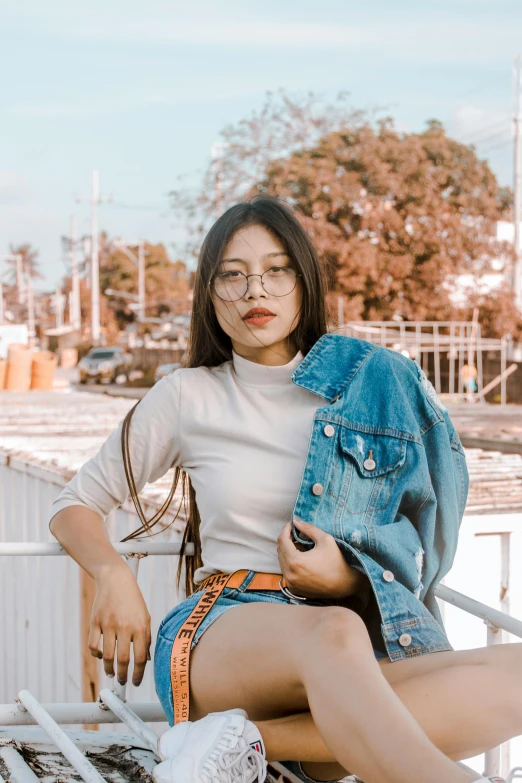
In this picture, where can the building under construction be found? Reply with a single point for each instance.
(458, 360)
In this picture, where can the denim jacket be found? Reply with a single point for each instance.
(386, 476)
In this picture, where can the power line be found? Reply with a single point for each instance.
(506, 143)
(491, 138)
(478, 88)
(138, 207)
(484, 129)
(517, 179)
(94, 200)
(479, 131)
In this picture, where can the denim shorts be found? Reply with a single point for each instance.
(230, 597)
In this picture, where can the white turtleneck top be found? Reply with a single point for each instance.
(241, 432)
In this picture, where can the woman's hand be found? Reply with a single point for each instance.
(321, 572)
(120, 615)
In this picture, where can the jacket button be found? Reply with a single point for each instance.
(369, 464)
(317, 489)
(388, 576)
(405, 639)
(329, 431)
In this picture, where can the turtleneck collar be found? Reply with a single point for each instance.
(254, 374)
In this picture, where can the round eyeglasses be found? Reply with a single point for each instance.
(233, 285)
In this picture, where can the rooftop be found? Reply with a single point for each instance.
(60, 431)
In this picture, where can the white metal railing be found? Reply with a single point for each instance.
(460, 340)
(127, 549)
(111, 707)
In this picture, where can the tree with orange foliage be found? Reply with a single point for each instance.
(395, 216)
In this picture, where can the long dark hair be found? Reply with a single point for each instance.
(209, 345)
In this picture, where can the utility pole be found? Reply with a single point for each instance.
(95, 269)
(30, 307)
(94, 200)
(20, 283)
(517, 181)
(58, 302)
(75, 312)
(141, 280)
(139, 262)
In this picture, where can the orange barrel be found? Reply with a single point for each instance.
(19, 360)
(3, 368)
(44, 365)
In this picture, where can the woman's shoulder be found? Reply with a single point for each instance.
(195, 377)
(183, 389)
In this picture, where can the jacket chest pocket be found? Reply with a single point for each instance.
(372, 465)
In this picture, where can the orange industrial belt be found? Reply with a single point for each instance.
(212, 588)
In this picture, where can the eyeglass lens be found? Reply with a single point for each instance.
(232, 285)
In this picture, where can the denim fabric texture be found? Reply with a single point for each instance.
(386, 476)
(171, 624)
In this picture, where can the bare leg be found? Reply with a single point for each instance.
(278, 660)
(464, 701)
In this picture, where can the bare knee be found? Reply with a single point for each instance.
(337, 627)
(510, 669)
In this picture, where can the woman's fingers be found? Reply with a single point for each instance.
(94, 640)
(109, 644)
(123, 656)
(285, 543)
(313, 532)
(285, 548)
(141, 644)
(119, 644)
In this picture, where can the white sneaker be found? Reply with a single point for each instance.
(223, 747)
(171, 742)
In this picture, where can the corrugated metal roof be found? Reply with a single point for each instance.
(495, 482)
(60, 431)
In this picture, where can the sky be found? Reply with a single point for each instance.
(140, 91)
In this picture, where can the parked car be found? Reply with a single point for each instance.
(105, 364)
(162, 370)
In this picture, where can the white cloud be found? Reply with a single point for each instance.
(477, 125)
(190, 25)
(394, 36)
(254, 33)
(184, 96)
(14, 188)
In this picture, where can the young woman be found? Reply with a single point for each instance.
(330, 485)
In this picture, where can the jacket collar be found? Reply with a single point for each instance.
(331, 364)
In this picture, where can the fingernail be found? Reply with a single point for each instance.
(148, 656)
(122, 682)
(111, 676)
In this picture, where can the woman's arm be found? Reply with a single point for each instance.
(78, 522)
(119, 611)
